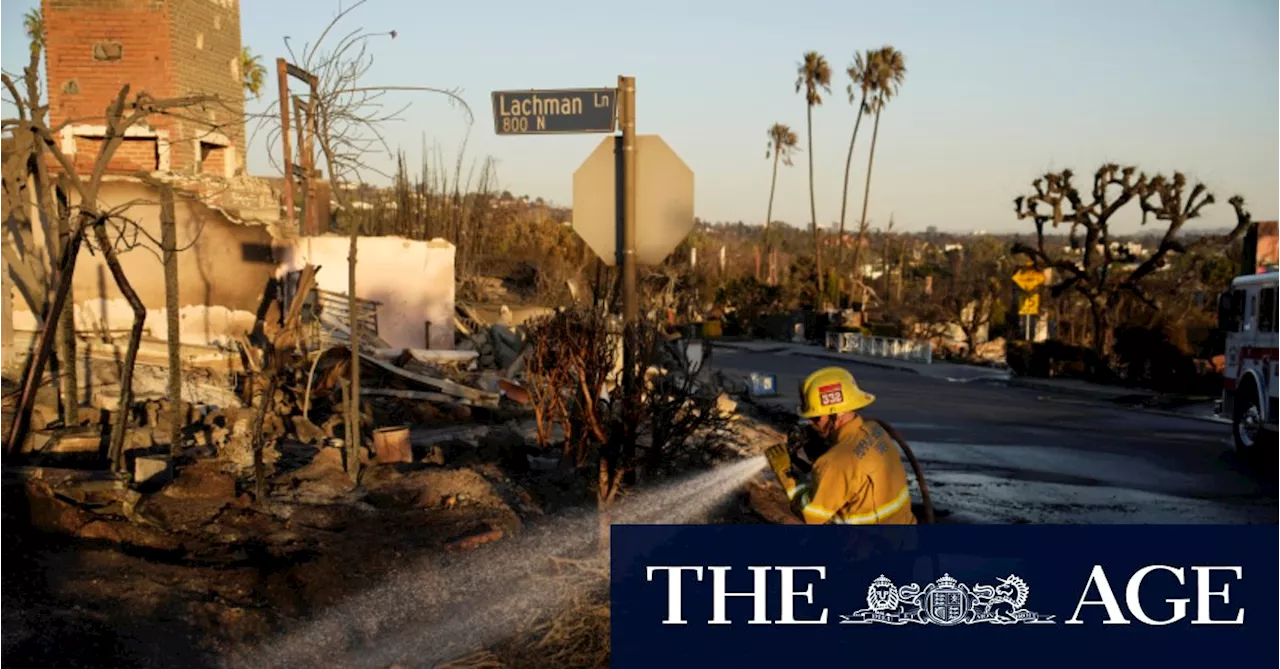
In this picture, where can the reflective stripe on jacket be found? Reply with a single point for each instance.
(858, 481)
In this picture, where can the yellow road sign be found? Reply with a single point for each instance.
(1028, 279)
(1030, 305)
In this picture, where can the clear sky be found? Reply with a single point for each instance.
(997, 92)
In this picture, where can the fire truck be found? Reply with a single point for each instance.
(1251, 371)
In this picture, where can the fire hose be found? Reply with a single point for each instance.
(798, 438)
(915, 467)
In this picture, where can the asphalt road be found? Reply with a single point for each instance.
(998, 454)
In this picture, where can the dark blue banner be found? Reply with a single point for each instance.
(944, 596)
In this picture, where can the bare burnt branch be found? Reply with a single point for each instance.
(1102, 275)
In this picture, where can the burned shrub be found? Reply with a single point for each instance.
(1148, 357)
(573, 376)
(751, 300)
(570, 359)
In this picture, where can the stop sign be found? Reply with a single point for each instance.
(664, 200)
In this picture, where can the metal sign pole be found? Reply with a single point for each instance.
(627, 88)
(627, 119)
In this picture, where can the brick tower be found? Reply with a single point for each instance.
(168, 48)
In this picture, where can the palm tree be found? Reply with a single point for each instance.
(860, 79)
(253, 74)
(888, 69)
(783, 144)
(33, 26)
(813, 76)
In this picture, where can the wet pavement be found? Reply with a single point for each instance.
(993, 453)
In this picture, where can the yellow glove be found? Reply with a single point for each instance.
(780, 462)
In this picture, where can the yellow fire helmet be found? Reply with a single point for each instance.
(831, 390)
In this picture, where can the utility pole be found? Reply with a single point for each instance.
(630, 309)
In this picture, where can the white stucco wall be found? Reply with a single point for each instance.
(205, 325)
(224, 270)
(413, 280)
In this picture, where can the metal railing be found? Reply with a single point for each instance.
(910, 350)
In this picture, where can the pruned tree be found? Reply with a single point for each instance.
(1100, 275)
(346, 116)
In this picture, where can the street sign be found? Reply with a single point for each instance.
(1028, 279)
(581, 110)
(664, 208)
(1030, 305)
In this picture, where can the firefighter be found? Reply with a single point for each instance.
(859, 479)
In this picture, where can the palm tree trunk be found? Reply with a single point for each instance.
(768, 218)
(813, 209)
(866, 196)
(844, 197)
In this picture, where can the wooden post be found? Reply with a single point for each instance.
(169, 244)
(300, 118)
(282, 73)
(313, 201)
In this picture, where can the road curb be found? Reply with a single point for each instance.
(1111, 395)
(1174, 414)
(1136, 409)
(1099, 394)
(855, 361)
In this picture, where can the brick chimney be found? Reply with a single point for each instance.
(167, 48)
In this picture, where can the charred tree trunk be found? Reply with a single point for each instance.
(604, 517)
(44, 346)
(50, 211)
(66, 319)
(169, 240)
(259, 466)
(1101, 317)
(353, 398)
(116, 450)
(608, 480)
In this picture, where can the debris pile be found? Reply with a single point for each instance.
(497, 345)
(450, 457)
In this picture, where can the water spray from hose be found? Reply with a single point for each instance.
(444, 606)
